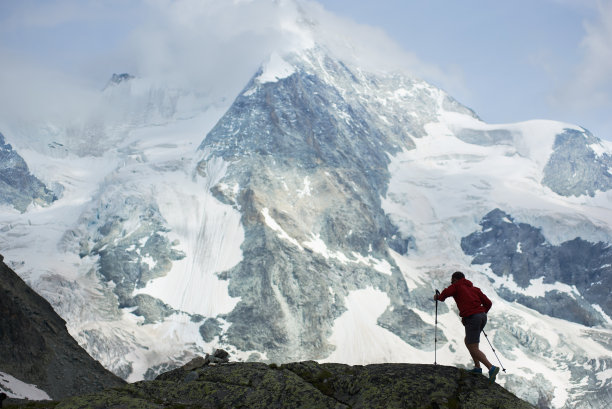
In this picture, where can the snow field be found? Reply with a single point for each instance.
(210, 234)
(274, 69)
(169, 149)
(358, 338)
(14, 388)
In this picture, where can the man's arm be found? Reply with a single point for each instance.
(448, 292)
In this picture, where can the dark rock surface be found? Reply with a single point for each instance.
(521, 250)
(36, 348)
(304, 385)
(119, 78)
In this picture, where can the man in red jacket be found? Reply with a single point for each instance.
(473, 307)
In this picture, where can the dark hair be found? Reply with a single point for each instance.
(458, 275)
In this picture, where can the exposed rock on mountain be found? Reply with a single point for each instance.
(301, 134)
(36, 348)
(18, 187)
(119, 78)
(577, 167)
(520, 251)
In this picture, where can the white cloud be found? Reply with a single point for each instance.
(196, 41)
(591, 86)
(32, 92)
(210, 46)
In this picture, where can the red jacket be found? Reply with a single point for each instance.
(470, 300)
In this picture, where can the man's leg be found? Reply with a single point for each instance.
(478, 355)
(476, 361)
(473, 326)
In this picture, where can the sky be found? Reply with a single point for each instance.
(508, 61)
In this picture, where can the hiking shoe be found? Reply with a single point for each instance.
(476, 370)
(493, 373)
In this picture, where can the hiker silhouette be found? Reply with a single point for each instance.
(473, 307)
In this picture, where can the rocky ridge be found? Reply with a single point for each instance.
(214, 382)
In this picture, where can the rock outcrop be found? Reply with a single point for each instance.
(212, 382)
(36, 348)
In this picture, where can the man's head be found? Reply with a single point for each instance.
(457, 275)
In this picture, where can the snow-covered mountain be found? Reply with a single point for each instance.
(313, 217)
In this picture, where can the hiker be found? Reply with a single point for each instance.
(473, 307)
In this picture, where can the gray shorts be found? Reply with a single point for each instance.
(474, 324)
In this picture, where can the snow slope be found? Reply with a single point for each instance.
(14, 388)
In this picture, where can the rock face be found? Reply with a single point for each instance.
(521, 251)
(575, 168)
(301, 133)
(18, 187)
(307, 385)
(130, 260)
(36, 348)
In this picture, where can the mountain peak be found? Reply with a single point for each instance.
(275, 68)
(119, 78)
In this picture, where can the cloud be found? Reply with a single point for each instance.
(210, 47)
(369, 47)
(591, 85)
(210, 44)
(30, 92)
(195, 41)
(213, 45)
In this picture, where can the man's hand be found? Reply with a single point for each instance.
(436, 297)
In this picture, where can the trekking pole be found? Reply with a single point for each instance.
(500, 364)
(436, 334)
